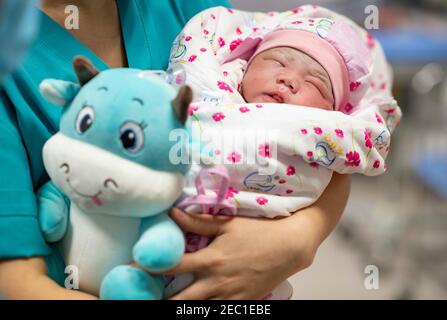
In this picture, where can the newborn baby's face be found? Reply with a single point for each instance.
(286, 75)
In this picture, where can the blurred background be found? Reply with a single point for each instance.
(397, 221)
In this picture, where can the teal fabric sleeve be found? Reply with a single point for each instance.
(20, 234)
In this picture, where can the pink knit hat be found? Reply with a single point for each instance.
(333, 44)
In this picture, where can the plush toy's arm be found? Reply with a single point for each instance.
(161, 245)
(53, 212)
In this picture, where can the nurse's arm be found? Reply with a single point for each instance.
(27, 279)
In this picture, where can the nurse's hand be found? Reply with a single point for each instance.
(248, 257)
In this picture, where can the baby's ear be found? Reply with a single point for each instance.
(58, 92)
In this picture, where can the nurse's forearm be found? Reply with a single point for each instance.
(322, 217)
(331, 205)
(26, 279)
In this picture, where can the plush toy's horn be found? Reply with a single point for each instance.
(181, 103)
(85, 71)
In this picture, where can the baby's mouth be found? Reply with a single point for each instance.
(274, 97)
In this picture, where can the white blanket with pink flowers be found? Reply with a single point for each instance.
(280, 157)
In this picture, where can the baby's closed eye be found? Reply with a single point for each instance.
(276, 61)
(320, 86)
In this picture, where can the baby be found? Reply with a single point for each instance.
(298, 66)
(285, 75)
(282, 73)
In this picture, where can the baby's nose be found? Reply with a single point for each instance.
(290, 83)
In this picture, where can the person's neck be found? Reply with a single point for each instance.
(97, 16)
(96, 10)
(99, 27)
(83, 5)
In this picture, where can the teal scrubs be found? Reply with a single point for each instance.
(27, 120)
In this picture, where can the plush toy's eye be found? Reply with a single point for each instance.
(132, 136)
(85, 119)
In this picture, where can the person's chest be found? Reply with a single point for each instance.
(110, 50)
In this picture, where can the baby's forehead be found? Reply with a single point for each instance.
(297, 56)
(305, 61)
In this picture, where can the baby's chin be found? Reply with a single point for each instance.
(314, 106)
(309, 103)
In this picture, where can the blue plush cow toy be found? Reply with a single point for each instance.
(111, 158)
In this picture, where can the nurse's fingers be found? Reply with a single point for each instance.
(193, 262)
(189, 263)
(202, 224)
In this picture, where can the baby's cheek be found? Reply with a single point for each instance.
(245, 90)
(250, 87)
(314, 100)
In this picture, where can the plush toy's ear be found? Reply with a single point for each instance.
(85, 70)
(58, 92)
(181, 103)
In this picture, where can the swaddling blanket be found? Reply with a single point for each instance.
(280, 157)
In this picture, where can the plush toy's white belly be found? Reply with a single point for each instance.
(96, 243)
